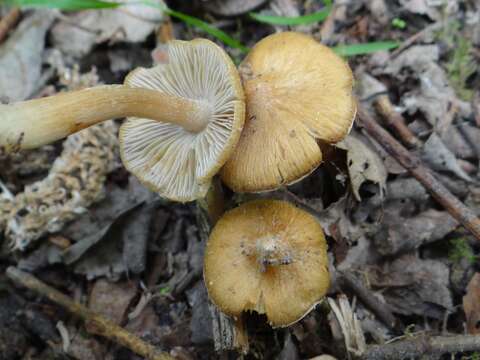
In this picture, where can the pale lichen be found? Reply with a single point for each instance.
(74, 182)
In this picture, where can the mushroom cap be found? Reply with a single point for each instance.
(267, 256)
(165, 157)
(297, 91)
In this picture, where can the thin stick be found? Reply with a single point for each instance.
(415, 37)
(102, 326)
(7, 22)
(378, 308)
(396, 121)
(413, 164)
(408, 349)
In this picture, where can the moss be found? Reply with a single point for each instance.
(460, 63)
(460, 249)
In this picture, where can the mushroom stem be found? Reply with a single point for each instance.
(30, 124)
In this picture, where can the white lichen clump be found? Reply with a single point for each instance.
(74, 182)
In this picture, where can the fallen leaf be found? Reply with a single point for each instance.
(414, 286)
(471, 305)
(398, 234)
(83, 30)
(364, 164)
(112, 299)
(231, 7)
(440, 158)
(22, 56)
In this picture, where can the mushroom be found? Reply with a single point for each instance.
(267, 256)
(298, 92)
(186, 116)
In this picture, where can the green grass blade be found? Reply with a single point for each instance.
(362, 49)
(70, 5)
(316, 17)
(209, 29)
(73, 5)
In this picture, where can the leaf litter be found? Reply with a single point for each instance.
(124, 251)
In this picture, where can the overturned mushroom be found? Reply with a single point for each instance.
(267, 256)
(297, 92)
(186, 117)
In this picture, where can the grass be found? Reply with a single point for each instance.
(317, 17)
(367, 48)
(292, 21)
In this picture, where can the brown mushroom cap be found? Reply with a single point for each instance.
(267, 256)
(297, 91)
(170, 160)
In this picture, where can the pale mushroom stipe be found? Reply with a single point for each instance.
(269, 257)
(185, 117)
(298, 92)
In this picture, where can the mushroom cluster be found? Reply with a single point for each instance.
(184, 122)
(268, 256)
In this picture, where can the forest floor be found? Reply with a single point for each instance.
(405, 272)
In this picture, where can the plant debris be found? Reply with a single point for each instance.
(398, 199)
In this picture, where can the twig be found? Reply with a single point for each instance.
(7, 22)
(102, 326)
(417, 347)
(413, 164)
(370, 301)
(415, 37)
(396, 121)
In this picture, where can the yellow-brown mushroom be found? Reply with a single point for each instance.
(298, 92)
(269, 257)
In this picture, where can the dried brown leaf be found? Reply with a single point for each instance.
(364, 164)
(471, 305)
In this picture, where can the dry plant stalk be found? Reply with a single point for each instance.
(101, 325)
(422, 345)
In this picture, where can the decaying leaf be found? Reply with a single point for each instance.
(113, 250)
(231, 7)
(364, 164)
(441, 158)
(22, 56)
(434, 96)
(471, 305)
(130, 23)
(112, 299)
(414, 286)
(399, 234)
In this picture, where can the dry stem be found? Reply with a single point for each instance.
(102, 326)
(396, 121)
(413, 164)
(409, 349)
(369, 300)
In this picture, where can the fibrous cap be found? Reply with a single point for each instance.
(298, 91)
